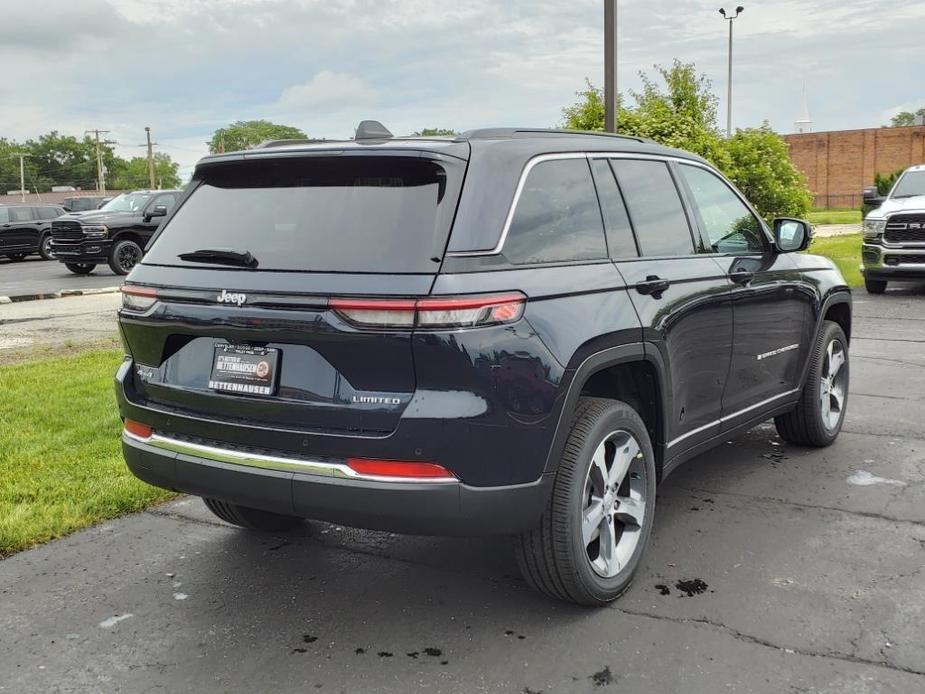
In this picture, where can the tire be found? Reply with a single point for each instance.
(124, 255)
(875, 286)
(45, 247)
(17, 257)
(80, 268)
(554, 557)
(251, 518)
(816, 420)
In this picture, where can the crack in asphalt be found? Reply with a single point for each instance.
(776, 500)
(748, 638)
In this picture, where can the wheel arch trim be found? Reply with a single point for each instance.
(834, 298)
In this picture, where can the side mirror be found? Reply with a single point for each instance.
(872, 197)
(792, 235)
(156, 211)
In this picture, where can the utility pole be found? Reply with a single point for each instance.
(150, 158)
(610, 66)
(100, 169)
(729, 18)
(22, 173)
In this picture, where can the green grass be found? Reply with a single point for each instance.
(845, 251)
(834, 217)
(61, 466)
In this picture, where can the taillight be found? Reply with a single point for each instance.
(432, 312)
(138, 298)
(137, 429)
(399, 468)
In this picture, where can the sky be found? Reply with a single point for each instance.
(187, 67)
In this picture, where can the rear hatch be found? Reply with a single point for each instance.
(233, 314)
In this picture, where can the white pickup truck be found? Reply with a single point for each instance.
(894, 232)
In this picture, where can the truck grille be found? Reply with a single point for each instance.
(66, 231)
(905, 228)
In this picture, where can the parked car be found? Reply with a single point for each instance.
(26, 229)
(116, 234)
(83, 203)
(894, 232)
(512, 331)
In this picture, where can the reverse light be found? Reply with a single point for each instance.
(138, 299)
(137, 429)
(399, 468)
(433, 312)
(873, 229)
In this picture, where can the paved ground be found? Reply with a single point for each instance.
(812, 563)
(57, 323)
(36, 276)
(836, 229)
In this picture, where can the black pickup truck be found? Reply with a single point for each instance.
(116, 234)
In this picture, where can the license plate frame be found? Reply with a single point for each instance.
(245, 370)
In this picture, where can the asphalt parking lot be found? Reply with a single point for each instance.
(772, 569)
(36, 276)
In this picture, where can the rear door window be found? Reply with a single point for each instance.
(620, 240)
(20, 214)
(655, 207)
(557, 217)
(328, 214)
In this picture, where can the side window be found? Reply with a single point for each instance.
(557, 216)
(167, 200)
(48, 212)
(729, 224)
(20, 214)
(620, 240)
(655, 207)
(4, 215)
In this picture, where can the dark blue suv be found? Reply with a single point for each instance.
(509, 331)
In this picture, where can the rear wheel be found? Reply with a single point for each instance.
(818, 417)
(594, 530)
(251, 518)
(80, 268)
(124, 255)
(45, 247)
(875, 286)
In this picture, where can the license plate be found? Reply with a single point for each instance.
(244, 369)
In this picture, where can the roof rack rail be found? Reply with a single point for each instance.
(294, 141)
(552, 132)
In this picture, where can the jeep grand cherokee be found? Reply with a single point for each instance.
(508, 331)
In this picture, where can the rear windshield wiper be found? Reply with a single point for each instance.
(220, 256)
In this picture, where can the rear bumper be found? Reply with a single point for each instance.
(414, 507)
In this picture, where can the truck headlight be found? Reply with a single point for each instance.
(95, 232)
(873, 229)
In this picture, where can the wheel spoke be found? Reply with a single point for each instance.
(621, 462)
(838, 395)
(598, 472)
(630, 511)
(836, 360)
(608, 551)
(591, 520)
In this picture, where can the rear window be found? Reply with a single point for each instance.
(326, 214)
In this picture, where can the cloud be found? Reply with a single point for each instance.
(328, 91)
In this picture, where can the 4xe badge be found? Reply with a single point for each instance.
(227, 297)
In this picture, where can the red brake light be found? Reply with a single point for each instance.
(138, 298)
(433, 312)
(399, 468)
(142, 431)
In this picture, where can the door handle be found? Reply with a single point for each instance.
(742, 277)
(653, 285)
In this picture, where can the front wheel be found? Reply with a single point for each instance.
(820, 413)
(251, 518)
(590, 538)
(124, 256)
(80, 268)
(875, 286)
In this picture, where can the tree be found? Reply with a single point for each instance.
(435, 132)
(681, 112)
(63, 160)
(134, 173)
(247, 134)
(906, 118)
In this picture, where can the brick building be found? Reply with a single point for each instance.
(840, 164)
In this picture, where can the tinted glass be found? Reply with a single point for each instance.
(557, 216)
(167, 200)
(349, 214)
(20, 214)
(620, 240)
(49, 212)
(4, 215)
(729, 224)
(655, 207)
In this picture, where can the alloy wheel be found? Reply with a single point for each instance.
(833, 384)
(614, 503)
(129, 255)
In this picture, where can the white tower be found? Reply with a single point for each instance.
(805, 123)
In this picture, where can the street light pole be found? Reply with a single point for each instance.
(610, 66)
(729, 18)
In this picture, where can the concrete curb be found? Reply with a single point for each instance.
(58, 294)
